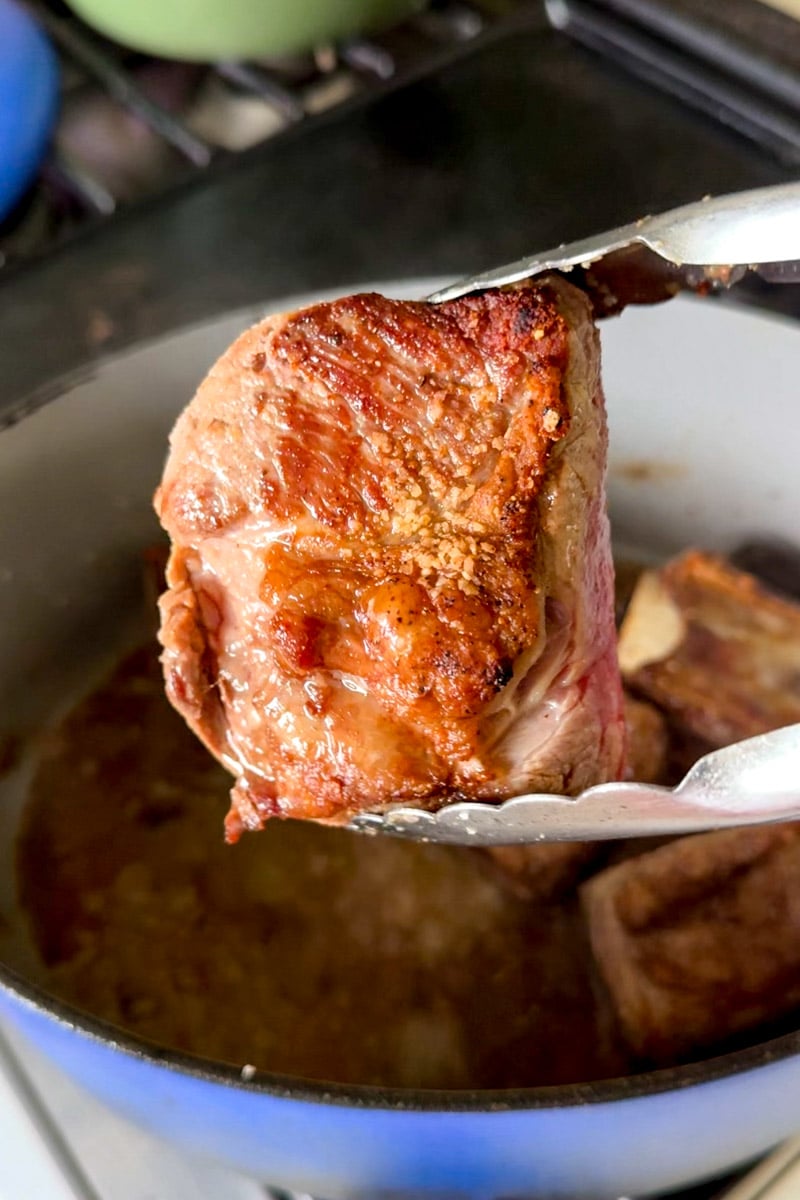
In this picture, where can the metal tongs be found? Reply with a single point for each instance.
(750, 783)
(699, 247)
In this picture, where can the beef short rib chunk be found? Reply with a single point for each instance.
(390, 578)
(718, 652)
(699, 939)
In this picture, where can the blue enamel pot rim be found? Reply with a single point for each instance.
(364, 1096)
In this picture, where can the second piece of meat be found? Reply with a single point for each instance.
(699, 939)
(714, 649)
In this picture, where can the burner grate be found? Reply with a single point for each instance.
(133, 126)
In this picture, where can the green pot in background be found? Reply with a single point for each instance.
(205, 30)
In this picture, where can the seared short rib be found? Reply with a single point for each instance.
(390, 577)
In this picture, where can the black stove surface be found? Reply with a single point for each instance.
(520, 141)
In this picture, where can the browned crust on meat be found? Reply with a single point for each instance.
(716, 622)
(412, 561)
(699, 940)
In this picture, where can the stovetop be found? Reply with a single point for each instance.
(57, 1143)
(521, 138)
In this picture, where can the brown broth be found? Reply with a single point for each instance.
(303, 950)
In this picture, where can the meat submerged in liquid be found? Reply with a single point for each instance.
(390, 577)
(310, 951)
(699, 939)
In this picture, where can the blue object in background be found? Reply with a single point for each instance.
(29, 95)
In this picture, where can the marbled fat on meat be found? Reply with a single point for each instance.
(390, 578)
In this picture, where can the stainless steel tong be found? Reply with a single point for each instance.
(750, 783)
(710, 244)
